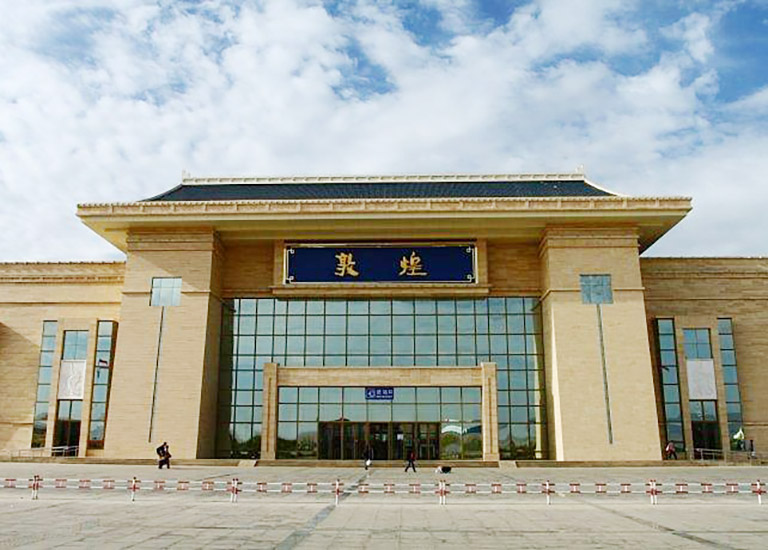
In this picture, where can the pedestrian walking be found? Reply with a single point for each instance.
(670, 451)
(411, 461)
(368, 457)
(163, 456)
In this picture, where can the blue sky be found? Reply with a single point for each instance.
(109, 100)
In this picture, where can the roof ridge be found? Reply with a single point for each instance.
(392, 178)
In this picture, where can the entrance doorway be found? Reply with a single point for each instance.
(388, 440)
(67, 433)
(706, 429)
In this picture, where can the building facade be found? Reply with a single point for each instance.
(461, 317)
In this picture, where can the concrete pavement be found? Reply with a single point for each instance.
(75, 518)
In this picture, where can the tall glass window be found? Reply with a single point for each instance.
(359, 333)
(731, 380)
(669, 376)
(47, 348)
(102, 375)
(702, 392)
(66, 436)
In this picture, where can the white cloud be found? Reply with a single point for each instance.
(147, 89)
(693, 30)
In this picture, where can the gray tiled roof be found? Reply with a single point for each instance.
(381, 190)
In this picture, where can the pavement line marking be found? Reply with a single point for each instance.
(295, 538)
(664, 529)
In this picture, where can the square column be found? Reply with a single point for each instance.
(600, 393)
(490, 418)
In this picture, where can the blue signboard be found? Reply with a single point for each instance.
(380, 263)
(380, 394)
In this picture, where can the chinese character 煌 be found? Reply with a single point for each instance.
(411, 266)
(346, 265)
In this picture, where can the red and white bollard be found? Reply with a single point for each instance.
(415, 488)
(495, 488)
(601, 488)
(706, 488)
(575, 488)
(35, 484)
(681, 488)
(653, 491)
(337, 488)
(758, 488)
(522, 487)
(626, 488)
(311, 488)
(442, 491)
(234, 490)
(548, 488)
(133, 486)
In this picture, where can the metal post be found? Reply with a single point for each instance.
(157, 368)
(605, 373)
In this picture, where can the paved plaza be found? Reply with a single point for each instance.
(85, 518)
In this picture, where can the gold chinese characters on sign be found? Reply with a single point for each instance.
(412, 267)
(346, 265)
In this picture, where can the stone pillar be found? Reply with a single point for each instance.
(167, 356)
(269, 413)
(490, 417)
(600, 393)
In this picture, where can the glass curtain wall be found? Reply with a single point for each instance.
(361, 333)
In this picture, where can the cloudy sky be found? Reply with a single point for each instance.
(109, 100)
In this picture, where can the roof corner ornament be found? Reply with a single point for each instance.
(581, 169)
(185, 175)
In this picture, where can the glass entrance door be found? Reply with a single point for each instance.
(403, 440)
(330, 440)
(67, 434)
(705, 428)
(378, 439)
(389, 441)
(354, 440)
(428, 441)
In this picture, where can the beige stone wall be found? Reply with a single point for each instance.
(695, 292)
(187, 370)
(513, 269)
(76, 295)
(248, 269)
(579, 427)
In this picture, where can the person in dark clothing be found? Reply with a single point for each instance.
(163, 456)
(411, 461)
(670, 451)
(368, 457)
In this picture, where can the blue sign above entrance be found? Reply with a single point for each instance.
(380, 394)
(380, 263)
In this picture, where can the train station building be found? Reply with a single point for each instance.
(466, 318)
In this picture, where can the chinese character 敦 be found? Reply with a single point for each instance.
(346, 265)
(411, 266)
